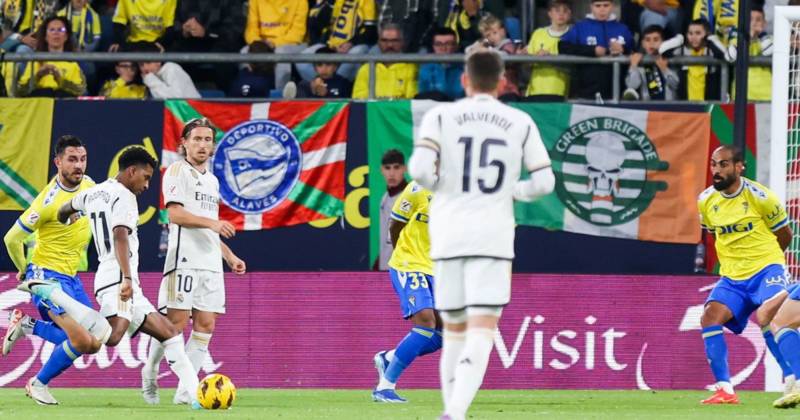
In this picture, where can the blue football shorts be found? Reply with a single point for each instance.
(414, 289)
(743, 297)
(71, 285)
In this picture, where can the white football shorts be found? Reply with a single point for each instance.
(471, 281)
(187, 289)
(134, 309)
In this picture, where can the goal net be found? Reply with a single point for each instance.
(785, 129)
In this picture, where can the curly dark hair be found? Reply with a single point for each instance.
(41, 34)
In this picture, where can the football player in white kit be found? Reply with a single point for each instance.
(193, 283)
(113, 214)
(470, 155)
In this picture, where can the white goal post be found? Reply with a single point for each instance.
(784, 171)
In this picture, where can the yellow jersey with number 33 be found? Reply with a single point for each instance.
(413, 250)
(743, 225)
(58, 247)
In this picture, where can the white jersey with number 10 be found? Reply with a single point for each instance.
(482, 145)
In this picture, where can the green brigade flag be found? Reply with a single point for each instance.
(619, 172)
(278, 164)
(25, 130)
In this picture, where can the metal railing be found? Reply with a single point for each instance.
(372, 59)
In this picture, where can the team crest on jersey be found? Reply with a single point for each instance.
(602, 170)
(258, 163)
(33, 217)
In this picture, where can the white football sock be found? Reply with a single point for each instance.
(154, 356)
(88, 318)
(75, 309)
(197, 349)
(452, 346)
(181, 366)
(470, 370)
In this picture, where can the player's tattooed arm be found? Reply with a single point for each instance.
(235, 263)
(182, 217)
(395, 227)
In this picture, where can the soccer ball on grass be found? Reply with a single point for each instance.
(216, 392)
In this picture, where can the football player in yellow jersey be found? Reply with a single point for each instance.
(56, 258)
(411, 271)
(752, 230)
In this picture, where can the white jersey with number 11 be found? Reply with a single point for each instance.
(110, 205)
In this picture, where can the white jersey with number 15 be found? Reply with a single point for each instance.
(482, 145)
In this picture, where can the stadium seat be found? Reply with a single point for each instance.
(513, 28)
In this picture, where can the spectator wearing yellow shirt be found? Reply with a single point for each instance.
(143, 21)
(548, 82)
(282, 25)
(84, 23)
(345, 26)
(395, 80)
(127, 86)
(759, 79)
(53, 78)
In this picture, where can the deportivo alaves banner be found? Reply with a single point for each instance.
(278, 164)
(619, 172)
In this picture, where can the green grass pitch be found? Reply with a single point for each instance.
(112, 404)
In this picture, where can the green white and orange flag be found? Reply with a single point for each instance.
(278, 164)
(619, 172)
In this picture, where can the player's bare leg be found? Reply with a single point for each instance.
(784, 327)
(161, 329)
(764, 316)
(715, 315)
(78, 336)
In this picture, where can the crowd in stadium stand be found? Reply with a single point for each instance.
(658, 29)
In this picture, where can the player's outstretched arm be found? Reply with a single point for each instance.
(181, 217)
(15, 245)
(235, 263)
(121, 251)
